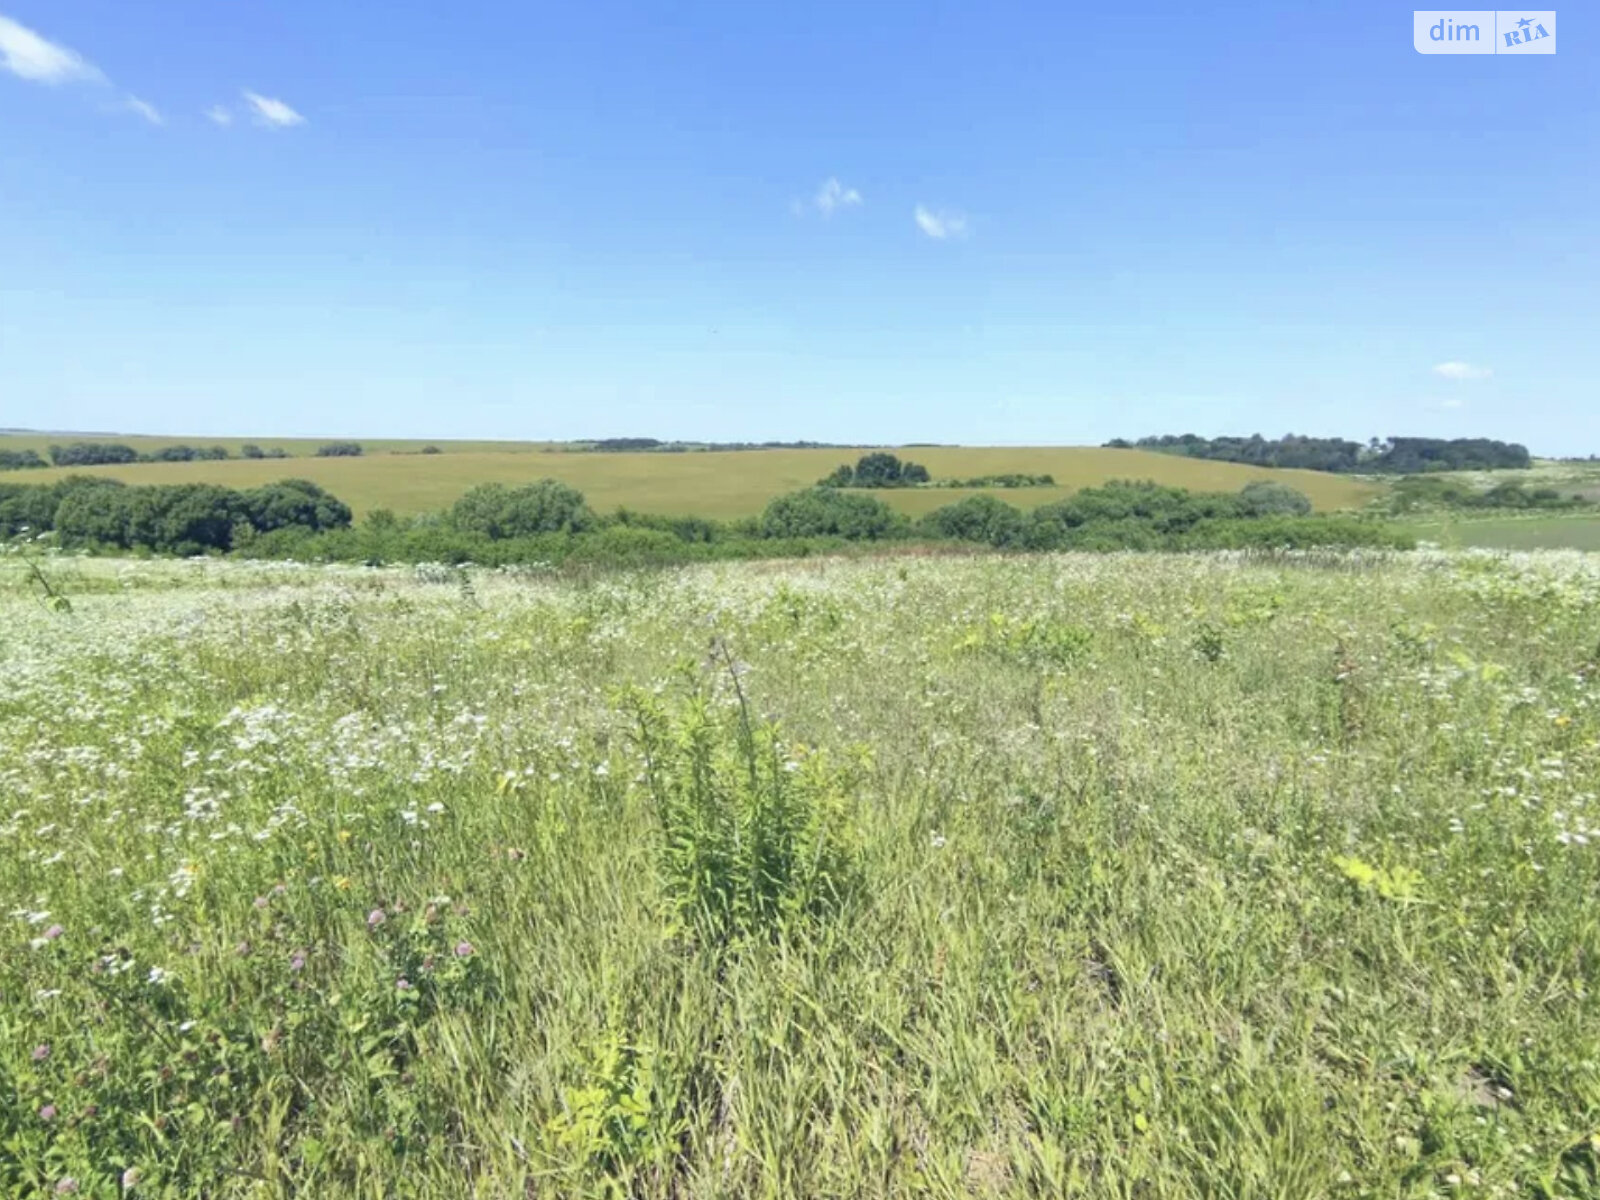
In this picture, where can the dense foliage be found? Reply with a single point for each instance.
(339, 450)
(880, 469)
(93, 454)
(20, 460)
(827, 512)
(1264, 498)
(182, 453)
(1423, 493)
(548, 521)
(189, 518)
(626, 444)
(497, 511)
(102, 454)
(1397, 455)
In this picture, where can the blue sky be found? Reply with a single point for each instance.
(1047, 223)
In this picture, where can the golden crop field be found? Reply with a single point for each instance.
(720, 484)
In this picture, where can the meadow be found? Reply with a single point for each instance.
(718, 484)
(1074, 875)
(1554, 531)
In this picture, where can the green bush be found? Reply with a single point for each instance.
(189, 518)
(92, 454)
(183, 453)
(20, 460)
(93, 516)
(185, 519)
(827, 512)
(339, 450)
(1264, 498)
(296, 502)
(497, 511)
(978, 519)
(879, 469)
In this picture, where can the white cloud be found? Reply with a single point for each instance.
(218, 115)
(940, 225)
(1460, 371)
(833, 195)
(27, 55)
(272, 112)
(145, 109)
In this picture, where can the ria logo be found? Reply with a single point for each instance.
(1484, 32)
(1528, 30)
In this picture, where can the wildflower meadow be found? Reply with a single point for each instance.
(1210, 875)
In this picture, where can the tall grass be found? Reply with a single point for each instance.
(1103, 876)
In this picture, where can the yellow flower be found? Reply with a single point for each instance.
(344, 835)
(342, 883)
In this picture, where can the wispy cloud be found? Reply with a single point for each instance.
(219, 115)
(834, 195)
(830, 197)
(1460, 371)
(27, 55)
(940, 225)
(275, 113)
(145, 109)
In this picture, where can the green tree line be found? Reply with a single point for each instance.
(1394, 456)
(548, 521)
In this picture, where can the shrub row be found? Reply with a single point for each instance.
(190, 518)
(1424, 492)
(1014, 479)
(112, 454)
(548, 521)
(1395, 456)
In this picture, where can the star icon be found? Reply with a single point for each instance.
(1525, 22)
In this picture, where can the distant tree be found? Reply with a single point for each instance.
(188, 518)
(978, 519)
(878, 470)
(93, 454)
(1265, 498)
(1396, 456)
(827, 512)
(339, 450)
(291, 502)
(498, 511)
(627, 443)
(33, 509)
(94, 516)
(1407, 454)
(184, 519)
(431, 450)
(251, 450)
(276, 452)
(20, 460)
(176, 452)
